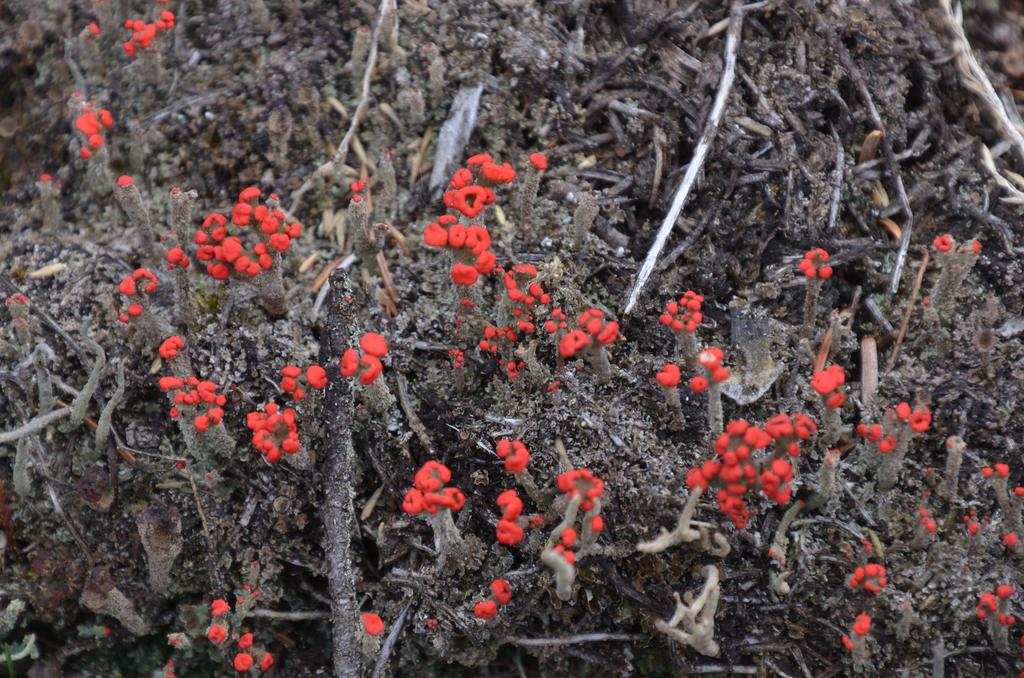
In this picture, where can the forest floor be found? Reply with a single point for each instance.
(850, 126)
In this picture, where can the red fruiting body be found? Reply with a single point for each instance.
(243, 661)
(274, 431)
(872, 433)
(428, 494)
(458, 358)
(90, 123)
(374, 344)
(498, 174)
(501, 591)
(557, 323)
(469, 200)
(568, 555)
(486, 609)
(581, 483)
(871, 578)
(711, 360)
(514, 453)
(374, 348)
(316, 378)
(193, 393)
(245, 641)
(827, 383)
(539, 161)
(509, 532)
(219, 607)
(989, 603)
(177, 257)
(226, 254)
(581, 486)
(813, 264)
(862, 625)
(267, 661)
(137, 288)
(464, 275)
(170, 347)
(669, 376)
(594, 327)
(524, 296)
(788, 432)
(372, 624)
(918, 420)
(216, 633)
(143, 34)
(479, 159)
(684, 315)
(734, 473)
(945, 243)
(471, 245)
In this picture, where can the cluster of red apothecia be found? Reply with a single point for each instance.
(91, 123)
(226, 254)
(734, 472)
(143, 34)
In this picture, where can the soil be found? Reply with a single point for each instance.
(616, 94)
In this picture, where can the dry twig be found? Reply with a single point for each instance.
(364, 102)
(389, 642)
(977, 81)
(837, 185)
(573, 640)
(907, 313)
(732, 41)
(211, 550)
(338, 510)
(890, 161)
(454, 134)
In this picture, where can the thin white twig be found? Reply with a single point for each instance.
(389, 644)
(837, 187)
(573, 640)
(891, 163)
(977, 81)
(291, 615)
(357, 116)
(732, 40)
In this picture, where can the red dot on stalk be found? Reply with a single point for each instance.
(374, 344)
(372, 624)
(501, 590)
(486, 609)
